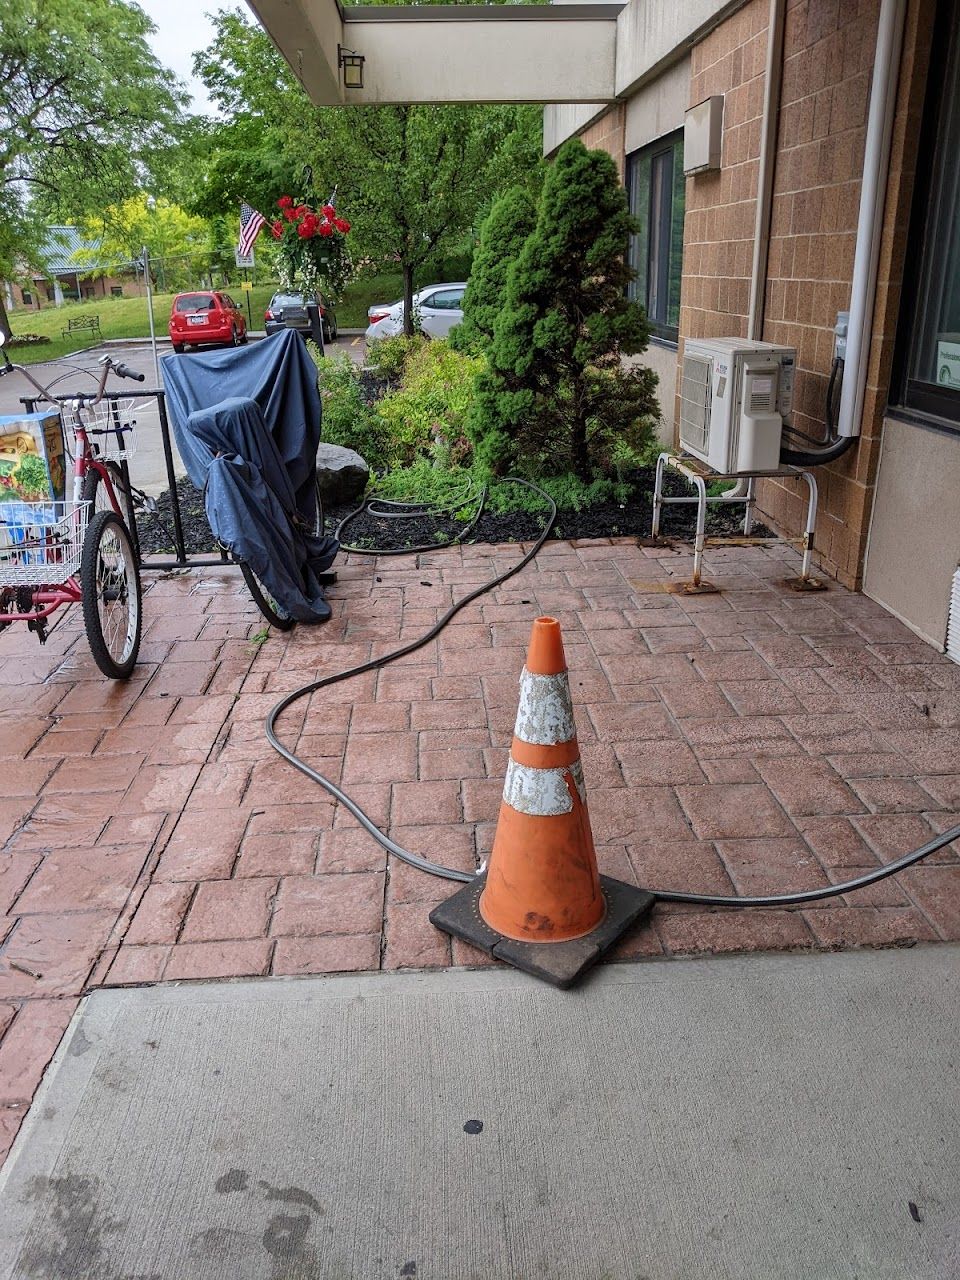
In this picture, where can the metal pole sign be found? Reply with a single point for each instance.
(153, 332)
(243, 259)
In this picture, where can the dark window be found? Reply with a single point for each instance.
(194, 302)
(116, 291)
(655, 190)
(927, 377)
(27, 298)
(445, 300)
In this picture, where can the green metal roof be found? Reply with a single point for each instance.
(61, 243)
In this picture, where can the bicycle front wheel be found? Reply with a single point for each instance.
(274, 612)
(95, 492)
(111, 596)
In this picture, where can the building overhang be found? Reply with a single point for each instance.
(449, 53)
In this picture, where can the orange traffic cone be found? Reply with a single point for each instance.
(542, 905)
(542, 881)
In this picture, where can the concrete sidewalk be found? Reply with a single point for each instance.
(770, 1118)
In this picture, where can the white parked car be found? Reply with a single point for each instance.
(440, 307)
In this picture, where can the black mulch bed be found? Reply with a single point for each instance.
(603, 521)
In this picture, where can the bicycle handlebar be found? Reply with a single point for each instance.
(122, 371)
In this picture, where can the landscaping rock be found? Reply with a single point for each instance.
(341, 474)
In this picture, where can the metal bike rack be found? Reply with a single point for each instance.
(182, 560)
(682, 464)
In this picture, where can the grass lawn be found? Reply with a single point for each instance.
(352, 311)
(127, 317)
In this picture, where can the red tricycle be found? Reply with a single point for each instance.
(76, 547)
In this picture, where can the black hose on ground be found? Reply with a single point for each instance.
(405, 511)
(451, 873)
(406, 855)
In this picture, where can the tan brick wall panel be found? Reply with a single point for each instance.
(828, 60)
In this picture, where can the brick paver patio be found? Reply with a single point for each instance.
(753, 741)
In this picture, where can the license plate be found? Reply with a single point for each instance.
(196, 319)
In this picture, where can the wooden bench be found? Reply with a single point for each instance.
(82, 324)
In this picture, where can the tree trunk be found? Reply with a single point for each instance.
(4, 320)
(581, 459)
(408, 300)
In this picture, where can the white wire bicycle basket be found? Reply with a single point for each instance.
(116, 419)
(41, 542)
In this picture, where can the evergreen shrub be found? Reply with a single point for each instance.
(511, 218)
(556, 396)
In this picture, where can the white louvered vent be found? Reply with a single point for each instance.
(695, 389)
(953, 620)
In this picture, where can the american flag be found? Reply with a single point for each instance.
(250, 224)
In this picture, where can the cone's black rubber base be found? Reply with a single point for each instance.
(560, 963)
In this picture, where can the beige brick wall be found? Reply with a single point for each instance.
(609, 134)
(721, 206)
(828, 62)
(828, 58)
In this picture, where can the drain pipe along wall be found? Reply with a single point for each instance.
(876, 160)
(883, 98)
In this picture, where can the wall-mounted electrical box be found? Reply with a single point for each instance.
(735, 397)
(840, 335)
(703, 136)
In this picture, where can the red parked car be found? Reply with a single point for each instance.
(197, 319)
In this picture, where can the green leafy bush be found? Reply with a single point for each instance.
(567, 491)
(389, 356)
(347, 419)
(453, 490)
(426, 415)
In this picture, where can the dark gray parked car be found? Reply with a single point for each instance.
(289, 311)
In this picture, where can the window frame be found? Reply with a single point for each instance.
(913, 400)
(652, 287)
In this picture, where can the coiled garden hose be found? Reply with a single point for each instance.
(406, 511)
(451, 873)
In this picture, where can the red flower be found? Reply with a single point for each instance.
(285, 202)
(326, 229)
(342, 225)
(328, 211)
(303, 231)
(300, 210)
(277, 230)
(290, 215)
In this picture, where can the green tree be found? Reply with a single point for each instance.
(220, 240)
(504, 231)
(177, 241)
(413, 181)
(557, 395)
(411, 178)
(247, 154)
(87, 111)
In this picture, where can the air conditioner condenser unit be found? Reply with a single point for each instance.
(735, 398)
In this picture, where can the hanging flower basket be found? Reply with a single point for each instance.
(314, 256)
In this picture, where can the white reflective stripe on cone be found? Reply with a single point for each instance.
(545, 714)
(542, 793)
